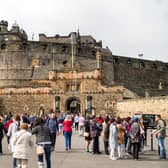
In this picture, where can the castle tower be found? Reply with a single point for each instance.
(15, 27)
(3, 26)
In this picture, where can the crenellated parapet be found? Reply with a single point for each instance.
(72, 75)
(25, 91)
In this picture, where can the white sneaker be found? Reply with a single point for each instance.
(113, 158)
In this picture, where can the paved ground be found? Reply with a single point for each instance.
(78, 158)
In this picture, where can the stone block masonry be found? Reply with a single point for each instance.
(153, 105)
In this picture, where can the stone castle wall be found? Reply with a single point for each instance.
(153, 105)
(26, 100)
(141, 75)
(22, 62)
(18, 56)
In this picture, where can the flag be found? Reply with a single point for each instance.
(72, 38)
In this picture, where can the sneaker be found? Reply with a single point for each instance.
(128, 154)
(113, 158)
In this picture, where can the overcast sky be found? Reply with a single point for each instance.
(127, 27)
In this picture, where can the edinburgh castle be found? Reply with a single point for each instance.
(75, 73)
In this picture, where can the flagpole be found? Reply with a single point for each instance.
(72, 55)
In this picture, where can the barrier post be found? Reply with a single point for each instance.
(151, 141)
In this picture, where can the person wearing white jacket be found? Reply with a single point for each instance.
(113, 140)
(22, 146)
(13, 127)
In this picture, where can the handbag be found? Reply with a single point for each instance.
(39, 150)
(86, 134)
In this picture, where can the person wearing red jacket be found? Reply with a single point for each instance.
(6, 127)
(67, 132)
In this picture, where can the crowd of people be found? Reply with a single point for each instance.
(122, 137)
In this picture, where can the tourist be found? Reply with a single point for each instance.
(113, 139)
(127, 135)
(81, 125)
(43, 138)
(13, 127)
(1, 135)
(100, 121)
(105, 134)
(22, 146)
(67, 131)
(53, 126)
(95, 133)
(121, 134)
(24, 118)
(32, 119)
(87, 133)
(60, 123)
(160, 133)
(6, 127)
(76, 122)
(135, 138)
(142, 134)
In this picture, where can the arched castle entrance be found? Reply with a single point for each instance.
(73, 104)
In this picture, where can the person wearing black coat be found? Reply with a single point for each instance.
(1, 135)
(95, 133)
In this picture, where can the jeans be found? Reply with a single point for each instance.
(162, 148)
(0, 145)
(53, 139)
(47, 151)
(136, 147)
(96, 145)
(60, 125)
(129, 146)
(106, 146)
(76, 126)
(121, 149)
(14, 162)
(68, 136)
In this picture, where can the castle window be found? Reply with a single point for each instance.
(116, 60)
(154, 66)
(64, 62)
(44, 47)
(0, 29)
(129, 61)
(3, 46)
(93, 53)
(64, 48)
(142, 64)
(79, 50)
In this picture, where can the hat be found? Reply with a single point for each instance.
(136, 119)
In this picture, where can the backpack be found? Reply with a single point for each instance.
(164, 122)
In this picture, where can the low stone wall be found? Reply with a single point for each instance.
(26, 100)
(19, 104)
(153, 105)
